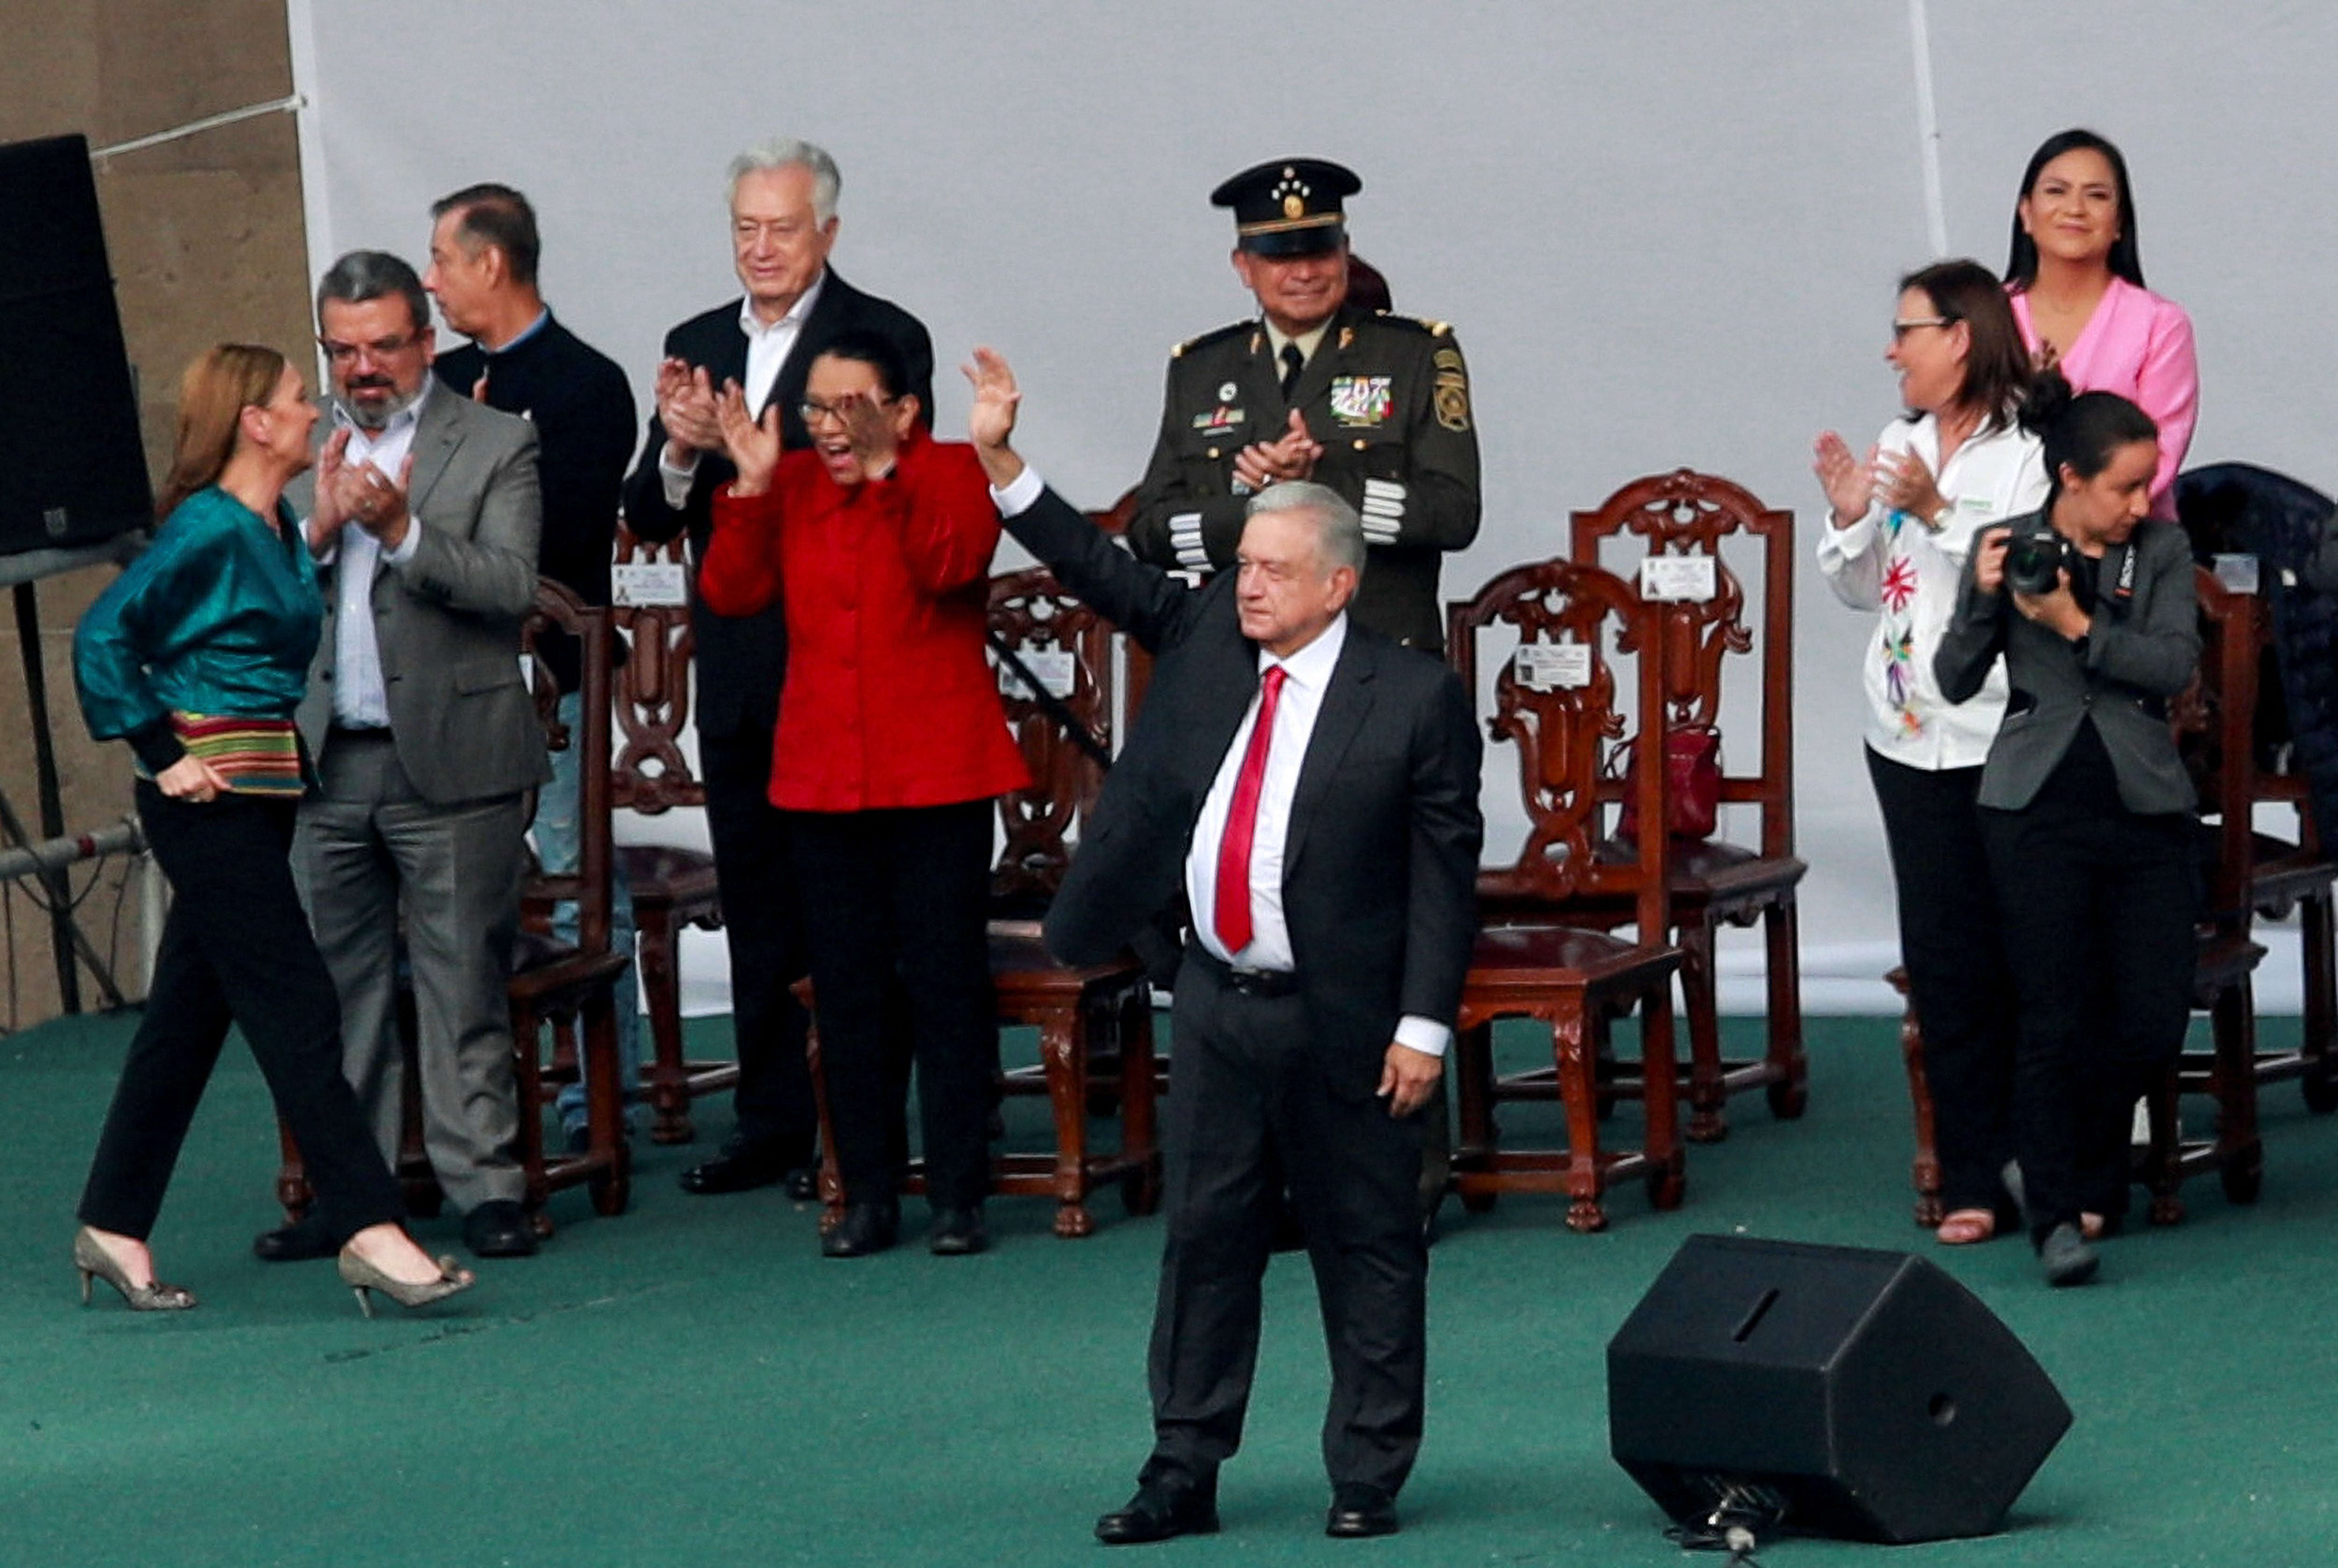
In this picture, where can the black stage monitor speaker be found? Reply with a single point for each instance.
(71, 470)
(1831, 1390)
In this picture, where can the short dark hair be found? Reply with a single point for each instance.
(363, 275)
(2126, 259)
(1997, 364)
(500, 216)
(875, 350)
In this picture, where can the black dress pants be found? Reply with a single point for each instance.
(773, 1105)
(1255, 1108)
(236, 947)
(2099, 906)
(1955, 956)
(895, 903)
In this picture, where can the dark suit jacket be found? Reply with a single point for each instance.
(449, 620)
(1380, 873)
(741, 660)
(2136, 657)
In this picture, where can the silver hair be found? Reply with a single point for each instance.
(787, 152)
(363, 275)
(1338, 531)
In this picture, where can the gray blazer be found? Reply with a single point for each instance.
(2131, 661)
(449, 620)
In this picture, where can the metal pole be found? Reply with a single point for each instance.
(61, 932)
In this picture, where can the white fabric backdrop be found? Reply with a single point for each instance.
(1666, 233)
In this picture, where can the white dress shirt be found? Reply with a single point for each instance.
(768, 343)
(361, 695)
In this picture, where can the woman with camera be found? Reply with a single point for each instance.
(2084, 810)
(2075, 274)
(1902, 521)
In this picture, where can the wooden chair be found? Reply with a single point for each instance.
(1095, 1020)
(552, 982)
(673, 886)
(1563, 717)
(2212, 726)
(1682, 518)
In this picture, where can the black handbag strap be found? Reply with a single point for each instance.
(1050, 704)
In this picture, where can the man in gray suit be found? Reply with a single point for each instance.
(424, 532)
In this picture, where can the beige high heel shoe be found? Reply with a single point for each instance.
(92, 1261)
(362, 1278)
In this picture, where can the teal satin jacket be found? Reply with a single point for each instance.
(220, 617)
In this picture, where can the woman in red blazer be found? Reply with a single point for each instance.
(890, 748)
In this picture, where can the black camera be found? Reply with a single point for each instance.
(2034, 557)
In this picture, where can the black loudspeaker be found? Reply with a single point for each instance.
(72, 468)
(1830, 1390)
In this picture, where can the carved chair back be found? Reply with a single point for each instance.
(650, 775)
(559, 611)
(1549, 633)
(1678, 521)
(1068, 648)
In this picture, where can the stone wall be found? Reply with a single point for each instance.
(206, 242)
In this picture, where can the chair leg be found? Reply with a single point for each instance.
(1788, 1089)
(1062, 1053)
(2320, 1044)
(610, 1182)
(667, 1080)
(1708, 1091)
(1925, 1169)
(527, 1072)
(831, 1174)
(1573, 1053)
(1667, 1156)
(2240, 1152)
(1473, 1070)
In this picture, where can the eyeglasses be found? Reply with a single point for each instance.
(380, 349)
(1900, 329)
(814, 411)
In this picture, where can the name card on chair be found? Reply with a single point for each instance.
(1057, 669)
(647, 583)
(1677, 579)
(1552, 666)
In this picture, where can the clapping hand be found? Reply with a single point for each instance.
(685, 406)
(1291, 456)
(752, 445)
(359, 493)
(1903, 482)
(1849, 481)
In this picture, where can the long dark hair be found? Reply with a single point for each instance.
(1997, 364)
(2126, 259)
(2080, 431)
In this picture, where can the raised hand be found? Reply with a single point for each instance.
(991, 421)
(331, 509)
(1903, 482)
(752, 445)
(869, 427)
(1291, 456)
(1849, 481)
(377, 503)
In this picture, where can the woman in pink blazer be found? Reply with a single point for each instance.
(2076, 275)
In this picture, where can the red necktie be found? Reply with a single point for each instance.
(1242, 821)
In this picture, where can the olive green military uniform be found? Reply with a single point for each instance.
(1387, 397)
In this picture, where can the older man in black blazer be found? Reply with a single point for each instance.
(783, 224)
(1313, 789)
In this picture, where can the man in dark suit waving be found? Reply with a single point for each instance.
(783, 224)
(1313, 788)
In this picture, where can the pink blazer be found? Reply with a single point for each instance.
(2139, 346)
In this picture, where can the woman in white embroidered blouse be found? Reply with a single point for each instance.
(1901, 522)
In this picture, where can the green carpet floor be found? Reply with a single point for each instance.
(690, 1384)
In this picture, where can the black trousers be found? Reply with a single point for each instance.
(2097, 907)
(1253, 1110)
(1950, 942)
(773, 1107)
(895, 903)
(236, 947)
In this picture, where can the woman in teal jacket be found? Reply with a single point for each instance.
(197, 656)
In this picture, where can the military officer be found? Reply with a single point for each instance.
(1375, 406)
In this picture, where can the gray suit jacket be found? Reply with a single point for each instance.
(2133, 659)
(449, 620)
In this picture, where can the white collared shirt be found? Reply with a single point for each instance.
(1307, 341)
(360, 692)
(768, 343)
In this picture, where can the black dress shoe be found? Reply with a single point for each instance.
(865, 1228)
(500, 1229)
(305, 1238)
(1160, 1510)
(740, 1168)
(1358, 1511)
(958, 1232)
